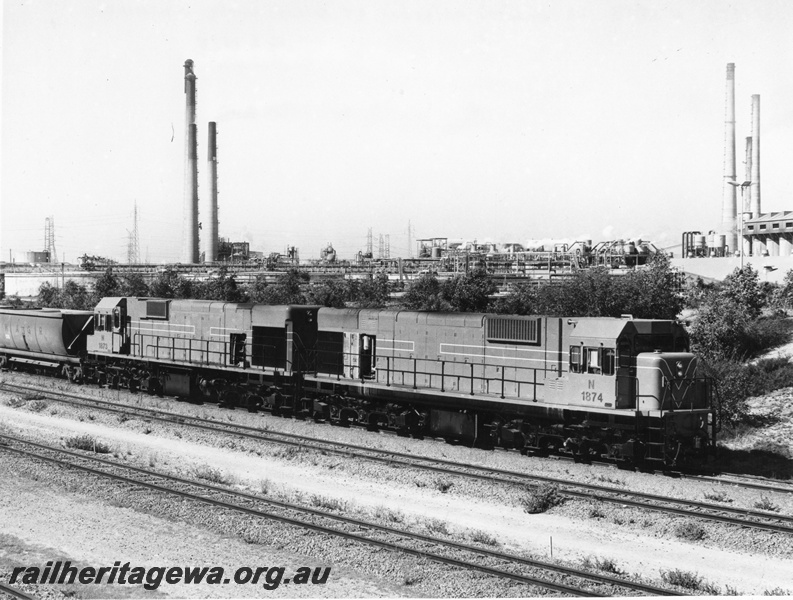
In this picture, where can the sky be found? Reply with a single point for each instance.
(497, 120)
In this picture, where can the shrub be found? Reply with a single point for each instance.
(765, 504)
(690, 530)
(437, 526)
(37, 405)
(211, 474)
(602, 564)
(777, 591)
(443, 486)
(482, 537)
(683, 579)
(717, 496)
(542, 498)
(328, 503)
(88, 443)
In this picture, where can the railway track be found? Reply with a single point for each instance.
(755, 519)
(471, 558)
(13, 592)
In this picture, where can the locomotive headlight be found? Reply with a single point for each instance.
(679, 365)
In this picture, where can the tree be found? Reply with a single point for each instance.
(223, 287)
(165, 284)
(49, 296)
(134, 285)
(74, 296)
(424, 293)
(469, 292)
(286, 290)
(330, 293)
(372, 292)
(742, 287)
(106, 286)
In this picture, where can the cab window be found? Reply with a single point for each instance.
(575, 359)
(98, 321)
(625, 354)
(592, 356)
(608, 361)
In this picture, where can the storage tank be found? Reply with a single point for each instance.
(699, 242)
(33, 257)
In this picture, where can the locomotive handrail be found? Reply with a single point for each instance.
(144, 348)
(437, 378)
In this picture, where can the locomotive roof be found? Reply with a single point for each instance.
(612, 328)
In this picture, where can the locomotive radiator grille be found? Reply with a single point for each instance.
(523, 331)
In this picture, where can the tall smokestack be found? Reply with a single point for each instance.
(755, 187)
(728, 207)
(211, 235)
(190, 248)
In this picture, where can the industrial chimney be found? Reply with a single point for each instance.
(728, 208)
(190, 248)
(211, 235)
(755, 187)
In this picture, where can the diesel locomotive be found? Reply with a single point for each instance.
(622, 389)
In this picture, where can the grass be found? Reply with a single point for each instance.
(690, 530)
(389, 515)
(328, 503)
(765, 504)
(607, 479)
(482, 537)
(607, 565)
(211, 474)
(37, 405)
(541, 499)
(683, 579)
(443, 485)
(87, 443)
(718, 496)
(437, 526)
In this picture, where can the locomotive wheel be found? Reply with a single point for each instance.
(254, 403)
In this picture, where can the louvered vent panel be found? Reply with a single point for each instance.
(522, 331)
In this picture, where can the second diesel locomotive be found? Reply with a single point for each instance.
(624, 389)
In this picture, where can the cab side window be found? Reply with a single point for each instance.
(625, 354)
(575, 359)
(608, 361)
(592, 356)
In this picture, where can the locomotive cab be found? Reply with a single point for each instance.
(110, 334)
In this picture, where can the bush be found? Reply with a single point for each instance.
(690, 530)
(765, 504)
(88, 443)
(683, 579)
(211, 474)
(607, 565)
(735, 382)
(542, 498)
